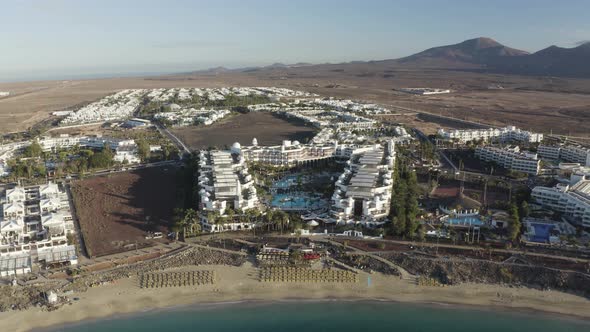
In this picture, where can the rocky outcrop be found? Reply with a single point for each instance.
(456, 271)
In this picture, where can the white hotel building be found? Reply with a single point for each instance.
(573, 201)
(224, 182)
(289, 153)
(509, 133)
(363, 191)
(510, 158)
(34, 227)
(569, 153)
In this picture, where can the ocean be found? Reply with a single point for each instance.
(302, 316)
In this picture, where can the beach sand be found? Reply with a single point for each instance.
(241, 283)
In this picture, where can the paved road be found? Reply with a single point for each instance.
(181, 146)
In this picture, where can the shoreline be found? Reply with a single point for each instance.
(201, 306)
(239, 285)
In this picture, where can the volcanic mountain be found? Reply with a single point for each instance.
(470, 53)
(480, 54)
(551, 61)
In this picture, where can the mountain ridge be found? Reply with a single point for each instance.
(482, 54)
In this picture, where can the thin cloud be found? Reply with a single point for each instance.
(582, 42)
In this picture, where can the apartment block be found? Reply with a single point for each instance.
(509, 133)
(510, 158)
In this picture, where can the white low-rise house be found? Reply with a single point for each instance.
(509, 133)
(119, 106)
(16, 194)
(322, 118)
(363, 190)
(13, 210)
(510, 158)
(572, 201)
(349, 105)
(187, 117)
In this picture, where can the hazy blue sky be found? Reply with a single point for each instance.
(61, 38)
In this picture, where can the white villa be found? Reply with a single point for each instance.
(329, 118)
(35, 224)
(363, 191)
(187, 117)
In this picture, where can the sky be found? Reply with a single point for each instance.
(58, 39)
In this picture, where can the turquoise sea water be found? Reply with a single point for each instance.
(331, 316)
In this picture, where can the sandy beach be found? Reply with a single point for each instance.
(241, 283)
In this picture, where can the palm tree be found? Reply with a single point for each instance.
(284, 220)
(191, 219)
(179, 224)
(268, 218)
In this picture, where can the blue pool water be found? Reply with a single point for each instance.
(286, 182)
(465, 221)
(542, 232)
(296, 202)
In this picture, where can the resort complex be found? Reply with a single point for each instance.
(266, 165)
(339, 194)
(124, 104)
(36, 226)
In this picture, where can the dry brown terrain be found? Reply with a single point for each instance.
(265, 127)
(116, 211)
(538, 103)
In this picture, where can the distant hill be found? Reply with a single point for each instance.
(551, 61)
(489, 55)
(479, 51)
(481, 54)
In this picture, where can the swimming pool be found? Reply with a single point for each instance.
(295, 202)
(464, 221)
(285, 182)
(542, 232)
